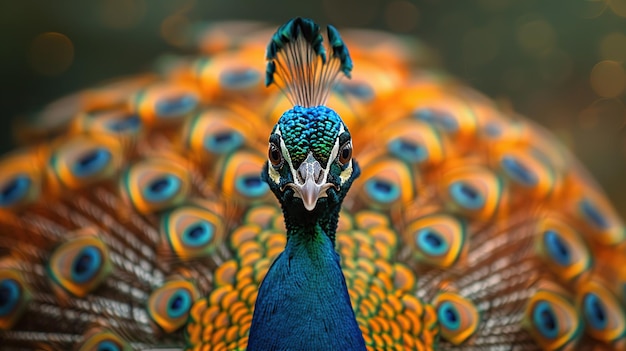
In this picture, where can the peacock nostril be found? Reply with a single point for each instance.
(301, 175)
(319, 176)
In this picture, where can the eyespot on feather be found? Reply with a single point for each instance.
(192, 231)
(84, 160)
(387, 182)
(79, 265)
(103, 340)
(169, 305)
(472, 191)
(222, 130)
(114, 121)
(155, 184)
(450, 115)
(562, 248)
(15, 295)
(438, 239)
(604, 316)
(239, 176)
(527, 171)
(415, 142)
(552, 320)
(20, 180)
(593, 214)
(231, 75)
(164, 104)
(600, 219)
(457, 316)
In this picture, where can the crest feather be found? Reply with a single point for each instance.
(298, 63)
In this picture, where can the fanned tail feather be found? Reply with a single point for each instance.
(135, 216)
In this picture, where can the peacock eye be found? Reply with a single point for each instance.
(274, 155)
(345, 153)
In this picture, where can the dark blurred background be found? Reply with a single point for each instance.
(560, 63)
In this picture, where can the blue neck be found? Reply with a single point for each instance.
(303, 302)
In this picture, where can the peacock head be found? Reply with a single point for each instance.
(310, 158)
(310, 163)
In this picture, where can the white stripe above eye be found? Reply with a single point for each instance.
(271, 171)
(346, 173)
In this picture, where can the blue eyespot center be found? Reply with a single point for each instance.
(360, 90)
(425, 114)
(493, 130)
(108, 345)
(176, 106)
(431, 242)
(448, 316)
(251, 185)
(239, 78)
(435, 117)
(545, 320)
(86, 264)
(558, 249)
(14, 190)
(91, 162)
(223, 142)
(593, 215)
(198, 234)
(408, 150)
(130, 123)
(448, 123)
(466, 195)
(595, 311)
(518, 171)
(382, 191)
(179, 303)
(162, 188)
(9, 296)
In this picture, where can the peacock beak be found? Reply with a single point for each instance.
(310, 182)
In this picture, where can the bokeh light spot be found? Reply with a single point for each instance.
(401, 16)
(608, 79)
(121, 14)
(618, 7)
(51, 53)
(613, 47)
(174, 29)
(351, 13)
(536, 37)
(592, 8)
(610, 114)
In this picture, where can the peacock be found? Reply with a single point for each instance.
(342, 194)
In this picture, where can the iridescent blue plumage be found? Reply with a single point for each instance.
(303, 302)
